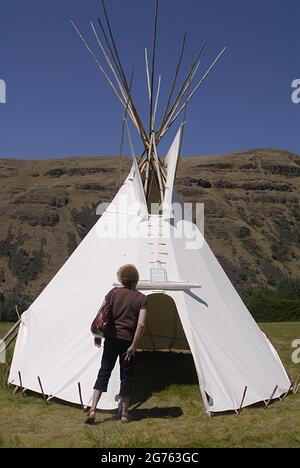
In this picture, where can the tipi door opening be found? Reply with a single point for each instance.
(163, 329)
(164, 358)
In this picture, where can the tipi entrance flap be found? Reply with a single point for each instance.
(131, 197)
(139, 189)
(170, 162)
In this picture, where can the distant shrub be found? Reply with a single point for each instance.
(278, 304)
(288, 288)
(255, 223)
(8, 307)
(26, 266)
(274, 310)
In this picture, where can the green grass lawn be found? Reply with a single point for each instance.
(169, 414)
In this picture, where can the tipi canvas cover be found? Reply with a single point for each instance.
(229, 350)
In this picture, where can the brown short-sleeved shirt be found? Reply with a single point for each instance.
(126, 306)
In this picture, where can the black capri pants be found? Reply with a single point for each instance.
(114, 348)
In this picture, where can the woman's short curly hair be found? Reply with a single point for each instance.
(128, 276)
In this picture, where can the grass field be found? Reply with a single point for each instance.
(170, 413)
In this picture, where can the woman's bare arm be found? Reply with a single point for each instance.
(98, 340)
(140, 327)
(138, 333)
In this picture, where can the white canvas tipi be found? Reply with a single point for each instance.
(236, 364)
(229, 350)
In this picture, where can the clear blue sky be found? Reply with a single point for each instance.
(59, 105)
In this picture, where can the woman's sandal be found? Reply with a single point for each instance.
(91, 417)
(124, 419)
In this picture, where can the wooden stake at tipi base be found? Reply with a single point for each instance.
(296, 385)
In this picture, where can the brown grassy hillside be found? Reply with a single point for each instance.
(251, 203)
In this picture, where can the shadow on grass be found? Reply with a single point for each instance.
(139, 414)
(156, 371)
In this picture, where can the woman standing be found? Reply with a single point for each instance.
(129, 310)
